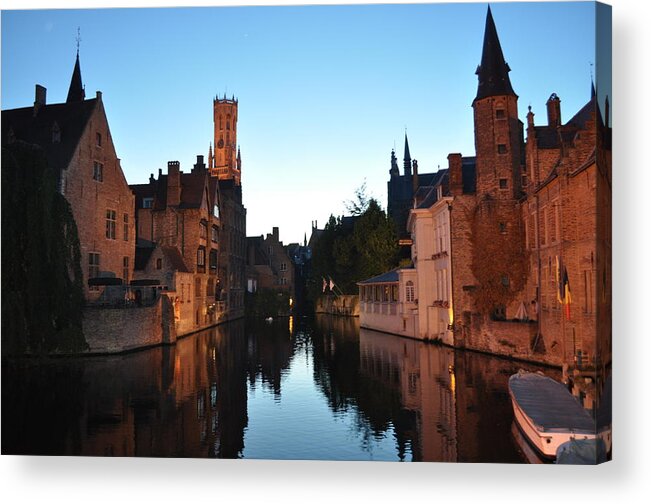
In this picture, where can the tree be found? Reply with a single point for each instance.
(42, 294)
(359, 204)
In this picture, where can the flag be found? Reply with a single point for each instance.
(332, 284)
(559, 285)
(567, 296)
(325, 284)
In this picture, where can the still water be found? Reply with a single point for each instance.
(309, 388)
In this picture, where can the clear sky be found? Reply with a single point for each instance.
(325, 92)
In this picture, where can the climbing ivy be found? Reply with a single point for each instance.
(42, 293)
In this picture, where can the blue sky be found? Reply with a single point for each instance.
(325, 92)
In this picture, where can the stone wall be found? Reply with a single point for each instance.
(115, 330)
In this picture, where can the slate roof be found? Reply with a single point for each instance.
(192, 188)
(388, 277)
(493, 71)
(172, 254)
(71, 119)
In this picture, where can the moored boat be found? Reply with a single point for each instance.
(547, 414)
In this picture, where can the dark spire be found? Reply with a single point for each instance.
(394, 172)
(593, 93)
(76, 91)
(407, 159)
(493, 72)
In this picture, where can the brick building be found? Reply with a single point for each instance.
(76, 138)
(269, 264)
(537, 222)
(225, 165)
(529, 228)
(178, 229)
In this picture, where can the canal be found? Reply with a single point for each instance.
(309, 388)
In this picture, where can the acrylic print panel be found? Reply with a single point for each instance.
(449, 299)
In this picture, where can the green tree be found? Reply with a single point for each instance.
(350, 254)
(42, 294)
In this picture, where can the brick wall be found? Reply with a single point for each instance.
(114, 330)
(90, 199)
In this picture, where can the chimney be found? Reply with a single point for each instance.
(554, 110)
(40, 98)
(275, 234)
(199, 165)
(455, 174)
(98, 95)
(173, 183)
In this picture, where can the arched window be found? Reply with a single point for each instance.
(409, 291)
(228, 122)
(221, 124)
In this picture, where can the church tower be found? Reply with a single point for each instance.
(498, 131)
(225, 163)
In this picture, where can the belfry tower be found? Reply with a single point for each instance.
(225, 161)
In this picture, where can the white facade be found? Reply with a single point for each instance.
(430, 231)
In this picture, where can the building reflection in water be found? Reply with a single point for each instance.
(377, 396)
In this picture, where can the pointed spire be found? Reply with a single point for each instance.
(395, 171)
(593, 93)
(76, 91)
(305, 240)
(407, 159)
(493, 72)
(210, 157)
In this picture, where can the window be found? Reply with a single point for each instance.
(125, 269)
(505, 280)
(215, 210)
(197, 287)
(501, 148)
(125, 220)
(504, 183)
(159, 263)
(93, 266)
(210, 288)
(98, 139)
(283, 266)
(110, 224)
(212, 259)
(503, 227)
(98, 171)
(500, 114)
(201, 259)
(283, 281)
(409, 291)
(214, 235)
(147, 202)
(203, 230)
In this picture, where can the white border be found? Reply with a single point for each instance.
(101, 480)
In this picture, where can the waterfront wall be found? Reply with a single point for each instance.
(114, 330)
(347, 305)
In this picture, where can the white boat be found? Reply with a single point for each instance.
(547, 414)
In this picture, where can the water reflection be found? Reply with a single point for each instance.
(296, 388)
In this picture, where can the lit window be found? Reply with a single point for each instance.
(215, 210)
(110, 224)
(201, 258)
